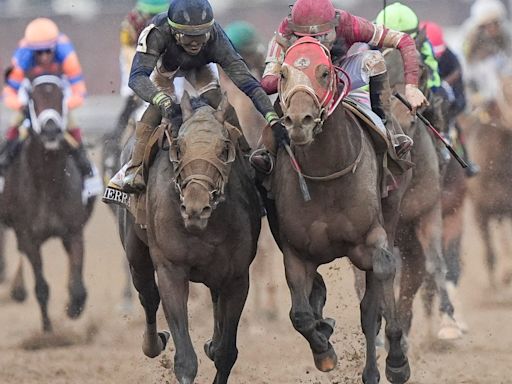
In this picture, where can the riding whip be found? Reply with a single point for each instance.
(302, 181)
(433, 129)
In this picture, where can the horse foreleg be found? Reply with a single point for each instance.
(490, 257)
(41, 287)
(300, 276)
(143, 277)
(411, 276)
(18, 291)
(384, 269)
(74, 246)
(369, 323)
(173, 284)
(429, 233)
(230, 305)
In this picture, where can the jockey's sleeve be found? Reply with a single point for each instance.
(13, 80)
(356, 29)
(236, 69)
(273, 62)
(150, 46)
(427, 53)
(71, 68)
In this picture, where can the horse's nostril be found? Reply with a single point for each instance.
(288, 122)
(308, 120)
(183, 210)
(207, 211)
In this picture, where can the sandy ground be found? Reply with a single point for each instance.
(104, 345)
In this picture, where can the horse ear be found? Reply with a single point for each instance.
(186, 106)
(220, 113)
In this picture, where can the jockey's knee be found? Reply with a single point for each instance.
(374, 63)
(151, 116)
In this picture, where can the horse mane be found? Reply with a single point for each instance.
(176, 114)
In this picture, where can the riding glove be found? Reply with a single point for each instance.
(415, 97)
(164, 102)
(280, 134)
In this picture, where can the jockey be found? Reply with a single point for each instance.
(131, 27)
(245, 40)
(185, 39)
(402, 18)
(450, 71)
(487, 50)
(487, 34)
(338, 30)
(44, 50)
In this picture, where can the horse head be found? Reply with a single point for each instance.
(202, 156)
(308, 89)
(47, 110)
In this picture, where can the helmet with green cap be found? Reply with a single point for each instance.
(399, 17)
(242, 34)
(152, 7)
(190, 17)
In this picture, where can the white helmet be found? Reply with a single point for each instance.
(486, 11)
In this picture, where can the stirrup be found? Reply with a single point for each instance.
(262, 161)
(404, 145)
(130, 182)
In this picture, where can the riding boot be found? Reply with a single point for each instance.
(133, 181)
(8, 151)
(380, 98)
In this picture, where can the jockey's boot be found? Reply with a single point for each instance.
(9, 148)
(133, 181)
(380, 98)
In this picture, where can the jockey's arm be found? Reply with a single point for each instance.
(236, 69)
(12, 85)
(150, 46)
(73, 71)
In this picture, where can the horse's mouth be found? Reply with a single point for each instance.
(195, 225)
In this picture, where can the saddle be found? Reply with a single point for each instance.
(392, 165)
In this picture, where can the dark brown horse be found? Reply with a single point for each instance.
(203, 225)
(345, 216)
(419, 232)
(43, 194)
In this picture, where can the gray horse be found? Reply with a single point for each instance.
(43, 195)
(203, 223)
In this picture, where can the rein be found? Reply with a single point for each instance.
(336, 175)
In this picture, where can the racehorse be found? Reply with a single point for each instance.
(345, 216)
(43, 193)
(490, 137)
(419, 231)
(203, 225)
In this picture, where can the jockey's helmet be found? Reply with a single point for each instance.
(41, 34)
(487, 11)
(435, 35)
(190, 17)
(399, 17)
(243, 35)
(152, 7)
(312, 17)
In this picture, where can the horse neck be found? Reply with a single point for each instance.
(336, 147)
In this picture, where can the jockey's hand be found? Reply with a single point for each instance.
(280, 134)
(415, 97)
(165, 104)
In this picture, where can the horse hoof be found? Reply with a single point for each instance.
(152, 349)
(74, 310)
(326, 361)
(19, 294)
(208, 350)
(371, 378)
(449, 329)
(398, 375)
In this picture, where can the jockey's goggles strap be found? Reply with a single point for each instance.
(191, 29)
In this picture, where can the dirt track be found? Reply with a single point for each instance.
(105, 344)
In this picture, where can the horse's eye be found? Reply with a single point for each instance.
(325, 74)
(224, 155)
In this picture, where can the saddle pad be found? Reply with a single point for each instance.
(371, 120)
